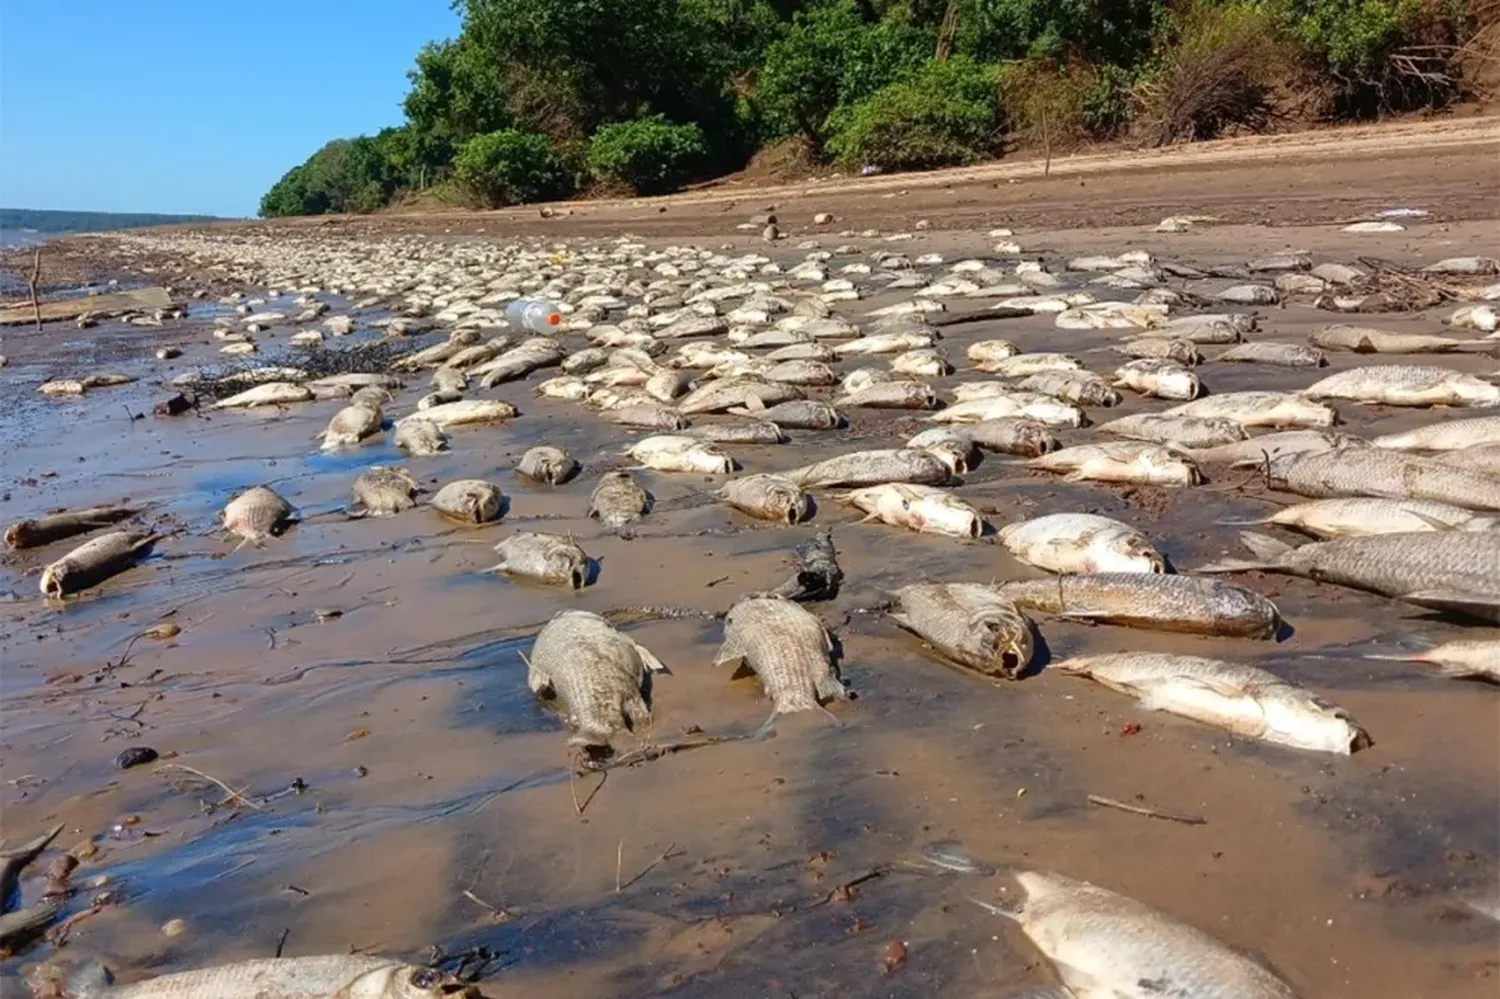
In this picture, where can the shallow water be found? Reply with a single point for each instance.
(436, 790)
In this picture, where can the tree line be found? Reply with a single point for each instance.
(544, 99)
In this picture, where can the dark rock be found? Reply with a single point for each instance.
(135, 756)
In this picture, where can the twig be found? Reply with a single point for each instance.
(501, 915)
(619, 861)
(648, 754)
(282, 942)
(233, 795)
(1155, 813)
(665, 856)
(36, 273)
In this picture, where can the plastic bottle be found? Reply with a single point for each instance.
(533, 315)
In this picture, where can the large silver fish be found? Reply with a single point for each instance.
(597, 675)
(92, 562)
(1406, 385)
(788, 648)
(338, 976)
(873, 468)
(1146, 600)
(970, 623)
(1382, 474)
(1447, 435)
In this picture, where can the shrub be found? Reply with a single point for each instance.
(945, 115)
(648, 155)
(509, 167)
(1065, 106)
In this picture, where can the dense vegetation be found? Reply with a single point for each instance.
(48, 221)
(541, 99)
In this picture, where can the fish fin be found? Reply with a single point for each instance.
(1456, 601)
(650, 661)
(90, 980)
(730, 651)
(1363, 346)
(1234, 565)
(1267, 550)
(1435, 523)
(356, 511)
(830, 688)
(1077, 476)
(498, 567)
(1258, 521)
(767, 728)
(754, 404)
(997, 910)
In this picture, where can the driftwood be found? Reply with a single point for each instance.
(138, 300)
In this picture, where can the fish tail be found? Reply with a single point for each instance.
(1254, 522)
(91, 980)
(767, 728)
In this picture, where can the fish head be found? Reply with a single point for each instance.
(54, 580)
(568, 562)
(1003, 642)
(1309, 722)
(950, 453)
(409, 982)
(945, 515)
(1131, 554)
(13, 533)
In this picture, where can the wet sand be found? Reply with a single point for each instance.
(436, 791)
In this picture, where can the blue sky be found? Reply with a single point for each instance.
(192, 105)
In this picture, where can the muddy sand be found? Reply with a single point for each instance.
(360, 684)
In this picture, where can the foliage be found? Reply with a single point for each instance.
(1064, 106)
(346, 175)
(509, 167)
(648, 155)
(945, 115)
(1096, 31)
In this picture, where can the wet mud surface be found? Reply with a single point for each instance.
(361, 684)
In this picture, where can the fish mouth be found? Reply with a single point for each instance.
(52, 584)
(576, 577)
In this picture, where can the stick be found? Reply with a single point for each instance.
(501, 915)
(36, 273)
(282, 942)
(619, 860)
(233, 795)
(1155, 813)
(666, 855)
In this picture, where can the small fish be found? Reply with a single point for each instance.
(818, 575)
(1284, 355)
(1162, 379)
(618, 500)
(788, 648)
(92, 562)
(668, 453)
(44, 530)
(1022, 365)
(648, 416)
(1362, 340)
(893, 395)
(1188, 604)
(545, 463)
(586, 360)
(769, 497)
(1012, 435)
(453, 414)
(952, 856)
(257, 515)
(1181, 432)
(1121, 461)
(873, 468)
(1247, 701)
(1261, 409)
(1449, 435)
(470, 501)
(974, 625)
(351, 425)
(1462, 659)
(920, 508)
(1361, 517)
(269, 394)
(1406, 385)
(420, 437)
(1081, 542)
(597, 675)
(800, 414)
(545, 558)
(1184, 352)
(382, 492)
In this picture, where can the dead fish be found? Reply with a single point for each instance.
(1162, 379)
(1381, 474)
(63, 386)
(808, 373)
(668, 453)
(1043, 409)
(800, 414)
(1122, 461)
(885, 343)
(1012, 435)
(788, 648)
(740, 432)
(668, 385)
(41, 531)
(1184, 352)
(1022, 365)
(1406, 385)
(420, 437)
(372, 397)
(1449, 435)
(432, 399)
(974, 625)
(257, 515)
(924, 509)
(924, 362)
(617, 500)
(1209, 328)
(447, 379)
(351, 425)
(1483, 459)
(1081, 542)
(1462, 659)
(613, 376)
(331, 977)
(548, 464)
(873, 468)
(1188, 604)
(1361, 518)
(803, 351)
(1273, 446)
(954, 447)
(544, 558)
(986, 351)
(951, 855)
(1107, 946)
(1249, 702)
(470, 501)
(269, 394)
(769, 497)
(893, 395)
(1444, 570)
(1284, 355)
(382, 492)
(648, 416)
(725, 396)
(92, 562)
(1177, 431)
(597, 675)
(1362, 340)
(818, 575)
(1261, 409)
(863, 378)
(1081, 388)
(569, 388)
(584, 361)
(454, 414)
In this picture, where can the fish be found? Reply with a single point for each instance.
(818, 575)
(1108, 946)
(799, 414)
(1081, 542)
(372, 397)
(1180, 432)
(570, 388)
(669, 453)
(1273, 446)
(1451, 571)
(1362, 340)
(1380, 474)
(447, 379)
(924, 509)
(807, 373)
(420, 437)
(438, 353)
(1406, 385)
(341, 976)
(544, 558)
(885, 343)
(1249, 702)
(1209, 328)
(1122, 461)
(1022, 365)
(1461, 659)
(740, 432)
(724, 396)
(545, 463)
(432, 399)
(803, 351)
(954, 447)
(924, 363)
(1012, 435)
(39, 531)
(1284, 355)
(614, 376)
(454, 414)
(257, 515)
(893, 395)
(351, 425)
(668, 385)
(1041, 408)
(972, 624)
(991, 350)
(268, 394)
(1081, 388)
(518, 362)
(873, 468)
(648, 416)
(1162, 379)
(1184, 352)
(863, 378)
(1361, 517)
(382, 492)
(618, 500)
(469, 501)
(768, 497)
(1261, 409)
(596, 673)
(583, 361)
(1483, 459)
(1187, 604)
(94, 561)
(788, 648)
(1448, 435)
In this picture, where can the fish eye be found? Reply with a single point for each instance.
(426, 978)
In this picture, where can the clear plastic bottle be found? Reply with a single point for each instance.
(533, 314)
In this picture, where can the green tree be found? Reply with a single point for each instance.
(649, 155)
(946, 115)
(509, 167)
(1096, 31)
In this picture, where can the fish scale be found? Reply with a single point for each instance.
(787, 647)
(1146, 600)
(596, 673)
(1383, 474)
(873, 468)
(347, 976)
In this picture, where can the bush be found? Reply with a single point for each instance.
(346, 175)
(945, 115)
(648, 155)
(1065, 106)
(509, 167)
